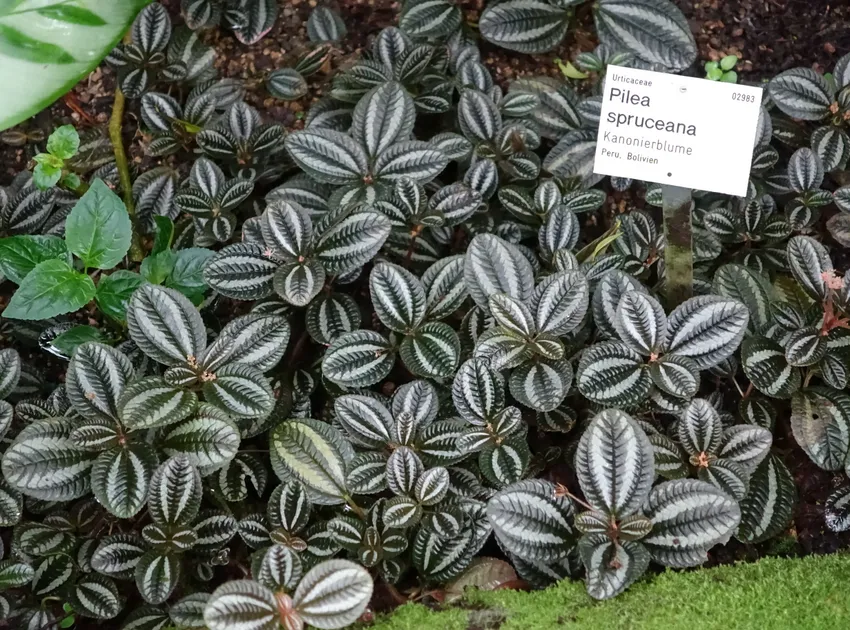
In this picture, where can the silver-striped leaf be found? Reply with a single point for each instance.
(700, 429)
(439, 558)
(117, 555)
(767, 509)
(810, 262)
(675, 375)
(432, 351)
(493, 265)
(445, 289)
(157, 576)
(209, 440)
(333, 594)
(640, 323)
(120, 478)
(745, 285)
(398, 297)
(165, 325)
(383, 116)
(299, 282)
(287, 228)
(95, 380)
(560, 302)
(655, 31)
(505, 463)
(532, 521)
(328, 156)
(97, 597)
(614, 464)
(478, 392)
(767, 368)
(174, 498)
(353, 241)
(801, 93)
(611, 566)
(242, 271)
(689, 517)
(367, 421)
(242, 605)
(820, 421)
(330, 316)
(151, 402)
(43, 462)
(358, 359)
(707, 329)
(611, 373)
(527, 26)
(837, 510)
(541, 384)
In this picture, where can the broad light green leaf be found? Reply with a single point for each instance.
(51, 288)
(98, 229)
(114, 292)
(60, 43)
(20, 254)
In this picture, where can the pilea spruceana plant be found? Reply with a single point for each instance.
(404, 333)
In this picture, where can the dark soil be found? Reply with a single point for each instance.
(768, 35)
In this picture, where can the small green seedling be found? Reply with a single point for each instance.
(722, 70)
(50, 168)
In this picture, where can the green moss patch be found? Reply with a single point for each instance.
(775, 593)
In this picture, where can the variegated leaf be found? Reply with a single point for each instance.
(117, 555)
(439, 558)
(837, 510)
(640, 323)
(367, 421)
(612, 566)
(151, 402)
(810, 263)
(314, 453)
(560, 302)
(157, 576)
(299, 282)
(43, 462)
(745, 285)
(614, 464)
(493, 265)
(505, 463)
(333, 594)
(120, 478)
(286, 227)
(432, 351)
(175, 493)
(746, 445)
(688, 518)
(611, 373)
(95, 380)
(383, 116)
(532, 521)
(398, 297)
(478, 116)
(527, 26)
(606, 298)
(331, 316)
(165, 325)
(353, 241)
(767, 509)
(801, 93)
(358, 359)
(541, 384)
(700, 429)
(97, 597)
(444, 287)
(478, 392)
(767, 368)
(209, 439)
(675, 375)
(707, 329)
(820, 420)
(242, 605)
(655, 31)
(243, 271)
(328, 156)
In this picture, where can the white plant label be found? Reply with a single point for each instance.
(675, 130)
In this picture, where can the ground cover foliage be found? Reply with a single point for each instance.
(369, 349)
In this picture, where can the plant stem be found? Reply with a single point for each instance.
(678, 250)
(115, 126)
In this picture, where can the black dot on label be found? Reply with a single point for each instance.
(669, 174)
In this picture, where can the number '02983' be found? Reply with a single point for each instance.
(745, 98)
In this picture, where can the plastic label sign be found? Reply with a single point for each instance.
(675, 130)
